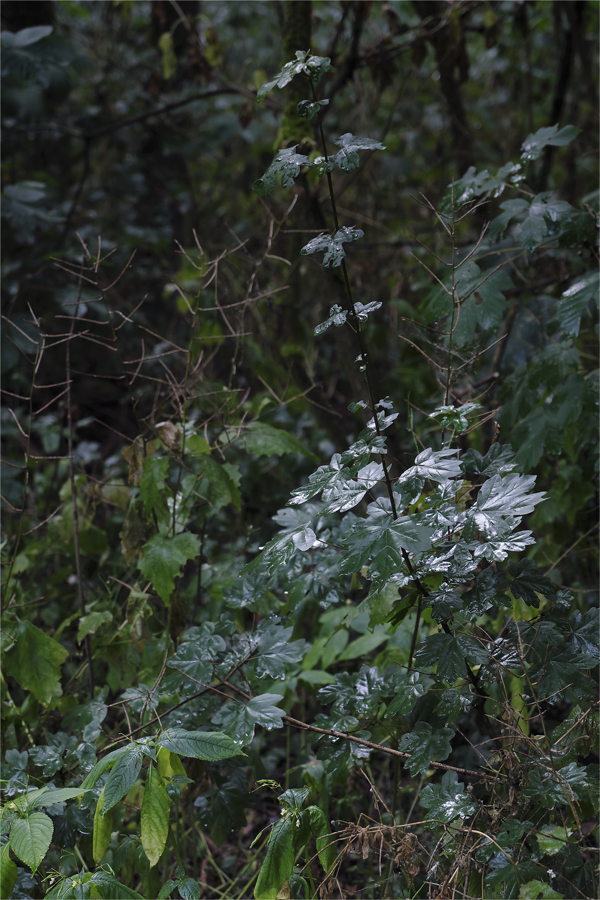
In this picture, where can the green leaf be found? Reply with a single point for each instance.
(534, 143)
(308, 108)
(553, 839)
(265, 440)
(92, 622)
(283, 548)
(240, 719)
(424, 744)
(363, 645)
(278, 864)
(304, 64)
(167, 889)
(207, 745)
(287, 165)
(337, 316)
(107, 762)
(47, 797)
(8, 871)
(110, 889)
(34, 661)
(163, 558)
(30, 838)
(221, 488)
(450, 654)
(409, 690)
(438, 465)
(381, 539)
(448, 800)
(501, 500)
(103, 823)
(347, 157)
(191, 660)
(574, 302)
(527, 581)
(275, 650)
(123, 776)
(534, 890)
(152, 483)
(155, 816)
(332, 245)
(188, 889)
(321, 830)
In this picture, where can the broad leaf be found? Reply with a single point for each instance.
(123, 776)
(500, 502)
(275, 650)
(192, 661)
(574, 302)
(278, 864)
(152, 484)
(347, 492)
(110, 889)
(538, 890)
(321, 830)
(163, 558)
(30, 838)
(308, 108)
(449, 654)
(281, 549)
(8, 871)
(332, 245)
(265, 440)
(347, 157)
(287, 165)
(448, 800)
(34, 661)
(337, 316)
(155, 816)
(411, 687)
(534, 144)
(527, 581)
(103, 824)
(207, 745)
(438, 465)
(240, 719)
(304, 64)
(107, 762)
(424, 744)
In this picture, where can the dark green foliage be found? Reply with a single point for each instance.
(262, 633)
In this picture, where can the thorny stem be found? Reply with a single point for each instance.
(86, 640)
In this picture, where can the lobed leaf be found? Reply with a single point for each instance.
(332, 245)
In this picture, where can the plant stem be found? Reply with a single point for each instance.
(86, 640)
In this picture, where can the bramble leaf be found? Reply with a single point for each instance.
(308, 108)
(347, 158)
(438, 465)
(332, 245)
(533, 144)
(275, 650)
(240, 719)
(287, 165)
(304, 64)
(424, 744)
(574, 302)
(337, 316)
(449, 654)
(448, 800)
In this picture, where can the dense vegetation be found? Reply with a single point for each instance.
(300, 441)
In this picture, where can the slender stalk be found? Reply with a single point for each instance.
(86, 640)
(355, 319)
